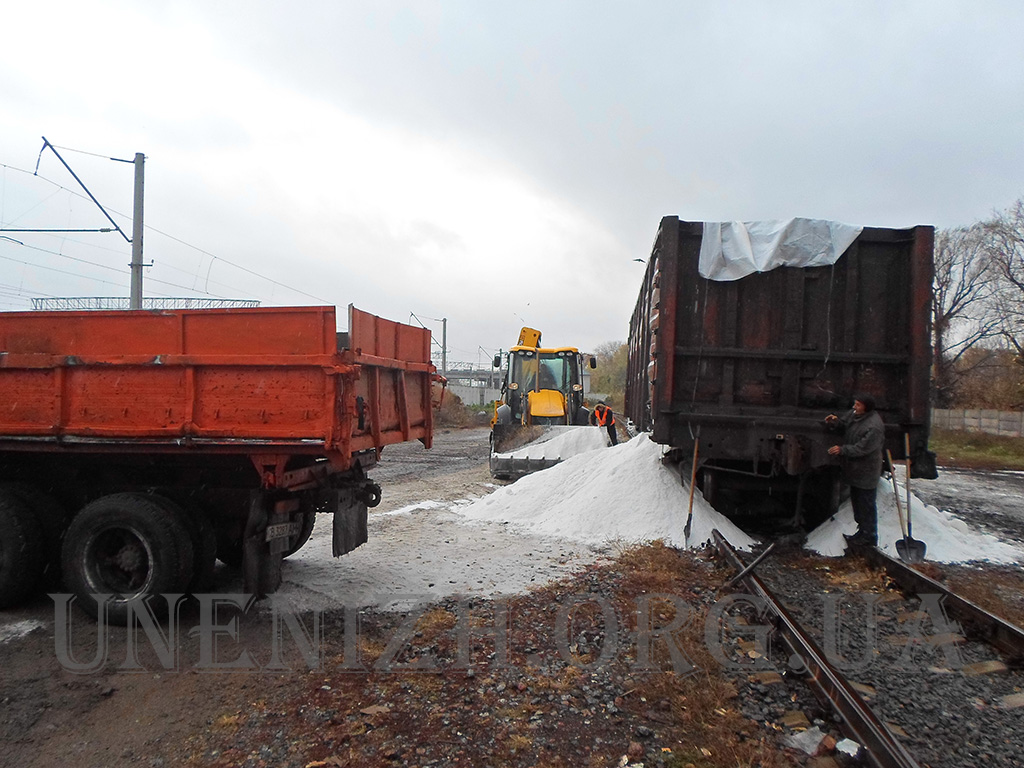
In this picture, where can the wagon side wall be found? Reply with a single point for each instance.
(761, 360)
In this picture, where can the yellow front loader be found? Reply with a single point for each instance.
(542, 392)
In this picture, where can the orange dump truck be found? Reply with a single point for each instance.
(138, 446)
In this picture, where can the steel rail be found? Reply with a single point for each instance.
(858, 721)
(986, 626)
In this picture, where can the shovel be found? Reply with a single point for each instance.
(904, 547)
(912, 550)
(693, 481)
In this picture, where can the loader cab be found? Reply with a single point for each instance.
(544, 386)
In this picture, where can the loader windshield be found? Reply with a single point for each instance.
(545, 370)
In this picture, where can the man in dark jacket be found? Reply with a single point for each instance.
(861, 462)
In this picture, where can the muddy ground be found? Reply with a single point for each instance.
(387, 689)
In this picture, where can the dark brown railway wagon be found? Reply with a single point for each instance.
(751, 366)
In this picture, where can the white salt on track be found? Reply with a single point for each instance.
(947, 538)
(619, 494)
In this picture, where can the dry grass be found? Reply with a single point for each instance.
(547, 710)
(977, 450)
(998, 591)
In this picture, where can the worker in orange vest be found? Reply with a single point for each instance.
(602, 416)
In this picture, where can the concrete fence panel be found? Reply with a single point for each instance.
(1006, 423)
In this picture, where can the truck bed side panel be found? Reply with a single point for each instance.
(232, 380)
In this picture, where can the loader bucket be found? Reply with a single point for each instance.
(511, 468)
(518, 450)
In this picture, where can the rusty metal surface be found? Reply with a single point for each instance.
(858, 721)
(766, 357)
(252, 380)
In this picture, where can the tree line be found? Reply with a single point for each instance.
(978, 313)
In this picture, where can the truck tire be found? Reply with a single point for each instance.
(128, 546)
(53, 521)
(308, 520)
(22, 552)
(204, 540)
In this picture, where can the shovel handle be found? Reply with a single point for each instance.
(896, 494)
(906, 453)
(693, 481)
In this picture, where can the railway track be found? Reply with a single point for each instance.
(913, 673)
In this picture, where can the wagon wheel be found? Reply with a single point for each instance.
(709, 485)
(128, 546)
(22, 550)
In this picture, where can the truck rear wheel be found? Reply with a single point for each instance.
(128, 546)
(22, 551)
(204, 540)
(308, 520)
(52, 519)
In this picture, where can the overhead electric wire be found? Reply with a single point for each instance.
(178, 240)
(92, 154)
(59, 271)
(72, 258)
(51, 231)
(238, 266)
(19, 290)
(163, 265)
(108, 267)
(101, 266)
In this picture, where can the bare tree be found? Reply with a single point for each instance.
(610, 376)
(961, 303)
(1007, 232)
(991, 379)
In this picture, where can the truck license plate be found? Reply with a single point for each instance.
(282, 530)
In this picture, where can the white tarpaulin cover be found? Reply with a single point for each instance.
(730, 250)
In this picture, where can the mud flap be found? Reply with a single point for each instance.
(922, 465)
(261, 559)
(350, 519)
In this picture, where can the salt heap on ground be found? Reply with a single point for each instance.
(948, 539)
(619, 494)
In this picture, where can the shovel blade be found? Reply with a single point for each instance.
(910, 550)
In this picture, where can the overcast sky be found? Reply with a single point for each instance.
(498, 164)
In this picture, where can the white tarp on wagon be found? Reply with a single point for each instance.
(730, 250)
